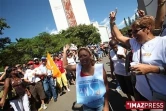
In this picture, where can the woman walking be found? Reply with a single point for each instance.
(91, 82)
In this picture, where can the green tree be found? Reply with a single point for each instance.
(25, 49)
(3, 40)
(125, 30)
(82, 35)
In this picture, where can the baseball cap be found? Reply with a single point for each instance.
(35, 58)
(30, 62)
(43, 58)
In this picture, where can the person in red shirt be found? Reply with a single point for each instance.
(63, 78)
(36, 62)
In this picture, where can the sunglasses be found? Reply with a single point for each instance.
(13, 69)
(137, 30)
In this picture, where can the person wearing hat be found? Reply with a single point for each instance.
(36, 62)
(63, 78)
(48, 80)
(32, 76)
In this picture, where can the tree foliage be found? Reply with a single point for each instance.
(82, 35)
(124, 30)
(25, 49)
(3, 40)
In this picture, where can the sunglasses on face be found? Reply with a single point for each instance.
(137, 30)
(14, 69)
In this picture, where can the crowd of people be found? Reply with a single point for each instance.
(30, 86)
(137, 63)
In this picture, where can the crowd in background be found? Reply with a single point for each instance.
(31, 85)
(137, 63)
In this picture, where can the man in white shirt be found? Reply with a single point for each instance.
(36, 87)
(48, 80)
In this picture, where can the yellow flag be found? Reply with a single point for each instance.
(52, 66)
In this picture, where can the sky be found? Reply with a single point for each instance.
(28, 18)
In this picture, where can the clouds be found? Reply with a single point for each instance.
(51, 31)
(122, 23)
(105, 22)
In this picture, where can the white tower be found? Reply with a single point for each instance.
(68, 13)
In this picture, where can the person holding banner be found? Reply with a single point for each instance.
(62, 78)
(48, 81)
(91, 82)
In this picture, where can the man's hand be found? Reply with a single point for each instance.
(113, 16)
(6, 68)
(144, 69)
(19, 70)
(66, 47)
(141, 13)
(161, 2)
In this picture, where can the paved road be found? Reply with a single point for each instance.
(66, 102)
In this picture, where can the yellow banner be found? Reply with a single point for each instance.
(52, 66)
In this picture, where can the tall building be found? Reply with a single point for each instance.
(103, 30)
(68, 13)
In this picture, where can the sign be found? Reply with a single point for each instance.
(145, 105)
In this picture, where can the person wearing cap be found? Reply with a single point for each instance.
(36, 62)
(63, 78)
(48, 80)
(32, 76)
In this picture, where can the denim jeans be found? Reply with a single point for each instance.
(49, 87)
(86, 108)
